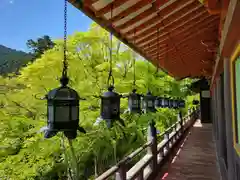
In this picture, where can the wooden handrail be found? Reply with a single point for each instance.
(125, 160)
(156, 152)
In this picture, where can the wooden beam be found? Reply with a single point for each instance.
(110, 7)
(171, 20)
(139, 17)
(180, 35)
(176, 30)
(230, 36)
(130, 10)
(167, 16)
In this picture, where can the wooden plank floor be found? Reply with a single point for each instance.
(196, 159)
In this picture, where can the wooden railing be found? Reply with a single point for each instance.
(148, 166)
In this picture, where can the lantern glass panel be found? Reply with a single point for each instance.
(75, 112)
(115, 107)
(165, 102)
(130, 101)
(182, 104)
(150, 104)
(171, 103)
(174, 104)
(135, 102)
(161, 102)
(50, 113)
(62, 114)
(106, 111)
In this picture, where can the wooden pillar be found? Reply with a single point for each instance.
(213, 113)
(228, 118)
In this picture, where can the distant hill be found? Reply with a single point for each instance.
(12, 60)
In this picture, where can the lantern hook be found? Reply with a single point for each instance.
(81, 129)
(40, 98)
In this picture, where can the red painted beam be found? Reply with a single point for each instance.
(168, 23)
(193, 43)
(139, 17)
(130, 10)
(180, 37)
(176, 30)
(199, 55)
(111, 6)
(167, 43)
(163, 12)
(200, 32)
(172, 20)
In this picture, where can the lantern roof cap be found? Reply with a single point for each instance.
(111, 88)
(149, 93)
(62, 93)
(110, 93)
(134, 90)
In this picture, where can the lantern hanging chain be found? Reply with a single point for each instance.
(148, 76)
(110, 75)
(134, 63)
(64, 79)
(158, 47)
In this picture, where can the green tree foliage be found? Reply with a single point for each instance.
(12, 60)
(39, 46)
(24, 154)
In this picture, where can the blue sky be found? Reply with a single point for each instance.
(29, 19)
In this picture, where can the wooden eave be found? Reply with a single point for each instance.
(180, 36)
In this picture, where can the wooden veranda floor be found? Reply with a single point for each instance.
(196, 158)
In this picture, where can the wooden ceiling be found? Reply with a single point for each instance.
(180, 36)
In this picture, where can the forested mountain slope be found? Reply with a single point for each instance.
(12, 60)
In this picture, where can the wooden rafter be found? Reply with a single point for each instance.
(182, 25)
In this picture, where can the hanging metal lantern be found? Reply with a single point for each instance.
(177, 101)
(181, 104)
(134, 102)
(63, 111)
(159, 102)
(170, 103)
(63, 102)
(149, 103)
(195, 102)
(165, 102)
(175, 104)
(110, 107)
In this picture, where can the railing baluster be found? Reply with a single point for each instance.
(152, 149)
(181, 123)
(175, 136)
(121, 174)
(166, 137)
(140, 175)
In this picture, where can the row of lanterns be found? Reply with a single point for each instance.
(63, 107)
(137, 103)
(149, 103)
(63, 102)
